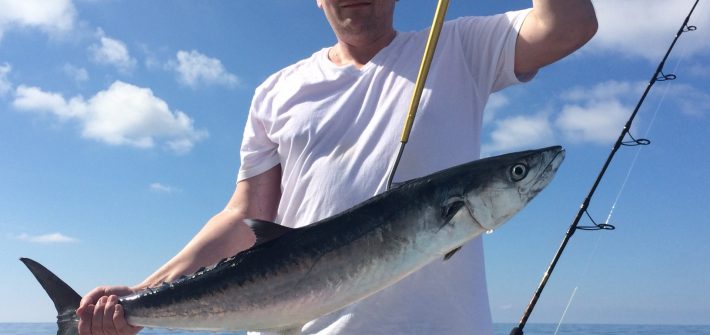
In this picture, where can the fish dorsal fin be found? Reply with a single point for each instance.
(265, 230)
(397, 184)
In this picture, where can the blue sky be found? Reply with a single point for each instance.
(120, 126)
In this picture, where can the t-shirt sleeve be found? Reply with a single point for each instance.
(258, 153)
(489, 47)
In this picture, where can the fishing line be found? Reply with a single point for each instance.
(566, 308)
(623, 186)
(625, 132)
(613, 206)
(621, 191)
(648, 131)
(590, 257)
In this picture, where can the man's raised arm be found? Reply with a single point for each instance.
(553, 30)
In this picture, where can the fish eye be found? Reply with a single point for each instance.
(518, 172)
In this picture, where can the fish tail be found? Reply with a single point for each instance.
(65, 299)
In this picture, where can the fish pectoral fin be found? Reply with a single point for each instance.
(265, 230)
(450, 207)
(451, 253)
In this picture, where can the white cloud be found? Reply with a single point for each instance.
(699, 70)
(594, 114)
(123, 114)
(597, 114)
(496, 101)
(34, 99)
(53, 17)
(79, 74)
(46, 238)
(519, 132)
(5, 84)
(689, 100)
(161, 188)
(113, 52)
(195, 69)
(610, 89)
(598, 121)
(645, 28)
(506, 307)
(151, 61)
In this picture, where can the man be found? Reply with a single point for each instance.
(322, 133)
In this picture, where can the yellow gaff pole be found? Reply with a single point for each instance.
(434, 33)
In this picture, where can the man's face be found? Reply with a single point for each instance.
(359, 18)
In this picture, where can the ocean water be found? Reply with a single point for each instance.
(500, 329)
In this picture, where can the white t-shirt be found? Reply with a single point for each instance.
(336, 129)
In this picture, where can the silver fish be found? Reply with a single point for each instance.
(291, 276)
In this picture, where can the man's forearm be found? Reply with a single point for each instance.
(223, 236)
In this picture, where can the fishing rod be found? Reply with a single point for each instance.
(657, 76)
(429, 49)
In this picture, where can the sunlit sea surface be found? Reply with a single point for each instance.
(500, 329)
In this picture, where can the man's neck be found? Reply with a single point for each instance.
(358, 52)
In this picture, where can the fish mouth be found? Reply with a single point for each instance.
(556, 161)
(544, 176)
